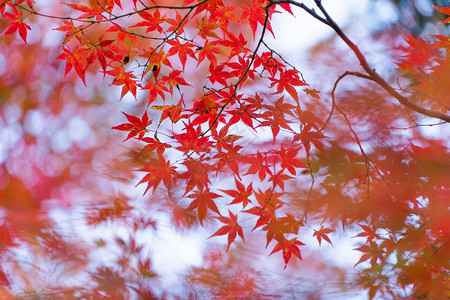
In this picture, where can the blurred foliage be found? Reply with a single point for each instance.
(71, 227)
(415, 16)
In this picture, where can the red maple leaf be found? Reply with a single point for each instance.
(268, 203)
(95, 11)
(312, 92)
(155, 60)
(258, 165)
(174, 80)
(372, 251)
(232, 228)
(241, 67)
(237, 44)
(152, 22)
(173, 112)
(71, 30)
(288, 79)
(369, 232)
(256, 14)
(182, 50)
(420, 54)
(308, 136)
(196, 174)
(122, 34)
(225, 15)
(275, 116)
(218, 74)
(277, 227)
(229, 159)
(207, 27)
(127, 79)
(224, 140)
(177, 24)
(153, 144)
(279, 178)
(288, 247)
(290, 161)
(444, 10)
(269, 63)
(29, 2)
(136, 126)
(240, 195)
(192, 139)
(17, 23)
(157, 170)
(286, 7)
(208, 51)
(102, 51)
(96, 8)
(156, 88)
(322, 234)
(209, 6)
(78, 59)
(203, 199)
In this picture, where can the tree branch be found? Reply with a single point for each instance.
(375, 76)
(310, 11)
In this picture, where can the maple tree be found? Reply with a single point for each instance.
(328, 162)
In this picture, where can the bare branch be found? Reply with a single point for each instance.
(310, 11)
(375, 76)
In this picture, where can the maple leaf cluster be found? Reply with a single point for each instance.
(158, 55)
(195, 66)
(428, 69)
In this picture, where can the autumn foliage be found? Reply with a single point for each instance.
(227, 133)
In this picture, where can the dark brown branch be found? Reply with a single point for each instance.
(310, 11)
(333, 98)
(375, 76)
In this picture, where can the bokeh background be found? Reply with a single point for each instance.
(74, 224)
